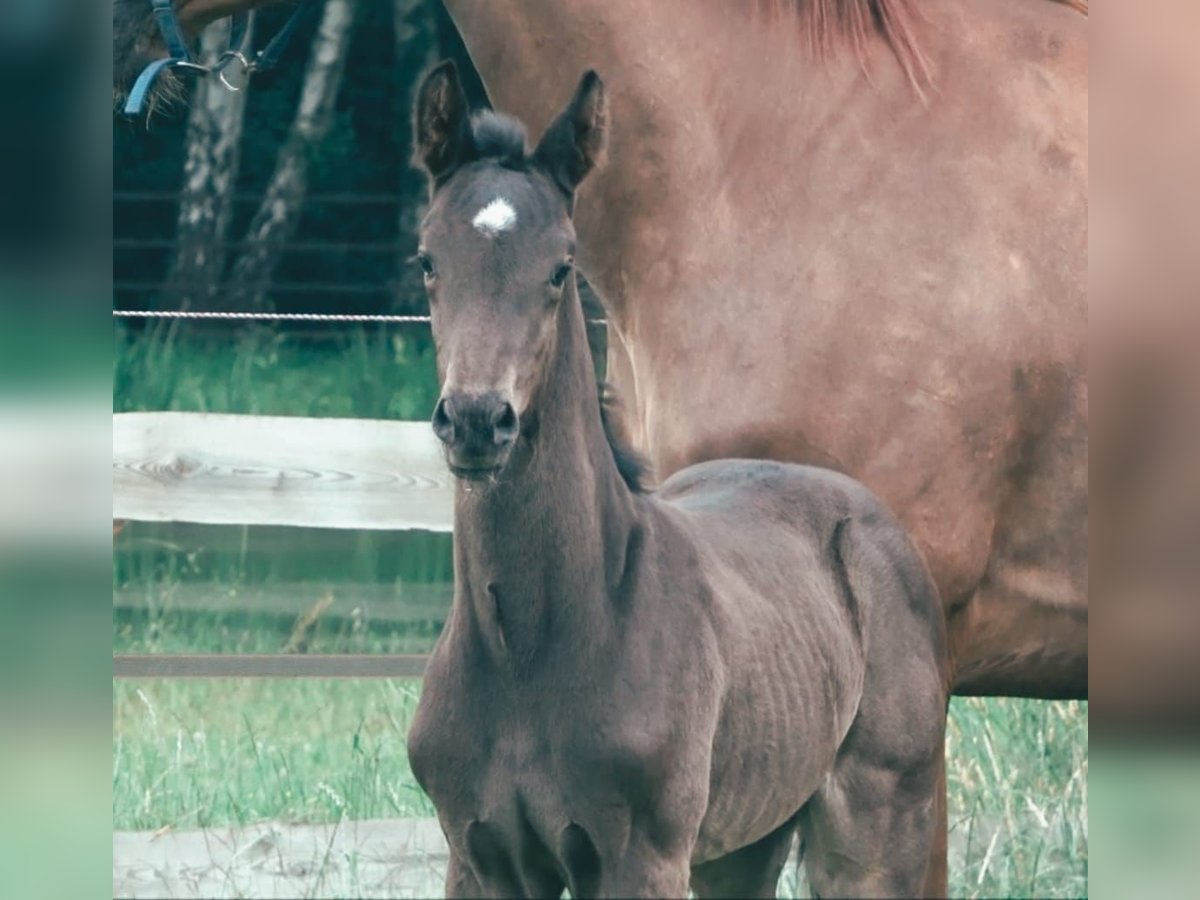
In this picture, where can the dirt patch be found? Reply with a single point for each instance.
(401, 858)
(370, 858)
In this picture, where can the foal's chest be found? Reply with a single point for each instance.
(533, 766)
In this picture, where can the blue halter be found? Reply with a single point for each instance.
(179, 57)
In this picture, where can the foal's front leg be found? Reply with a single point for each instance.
(751, 871)
(460, 880)
(488, 870)
(644, 872)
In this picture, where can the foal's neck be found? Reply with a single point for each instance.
(542, 551)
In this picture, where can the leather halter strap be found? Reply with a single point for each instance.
(180, 57)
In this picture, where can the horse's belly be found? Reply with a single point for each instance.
(793, 676)
(741, 813)
(769, 759)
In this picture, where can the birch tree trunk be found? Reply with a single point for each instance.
(278, 215)
(416, 51)
(209, 173)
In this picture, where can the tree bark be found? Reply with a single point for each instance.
(416, 51)
(279, 214)
(210, 171)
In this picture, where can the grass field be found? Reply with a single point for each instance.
(192, 754)
(205, 753)
(369, 373)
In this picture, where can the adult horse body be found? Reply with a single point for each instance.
(804, 259)
(634, 691)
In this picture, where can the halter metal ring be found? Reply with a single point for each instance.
(247, 68)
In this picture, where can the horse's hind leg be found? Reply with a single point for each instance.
(936, 877)
(752, 871)
(870, 829)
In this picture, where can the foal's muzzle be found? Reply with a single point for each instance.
(478, 431)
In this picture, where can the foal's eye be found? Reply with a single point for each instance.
(425, 261)
(559, 278)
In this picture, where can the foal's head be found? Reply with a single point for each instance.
(497, 248)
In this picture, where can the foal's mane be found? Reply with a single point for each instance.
(501, 138)
(633, 466)
(852, 22)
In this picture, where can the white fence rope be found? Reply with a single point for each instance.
(261, 316)
(276, 317)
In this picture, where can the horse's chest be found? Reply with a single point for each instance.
(535, 768)
(476, 753)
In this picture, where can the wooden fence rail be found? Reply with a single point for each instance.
(277, 470)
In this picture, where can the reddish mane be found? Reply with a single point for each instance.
(854, 21)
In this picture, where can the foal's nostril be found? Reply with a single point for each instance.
(504, 424)
(443, 426)
(475, 426)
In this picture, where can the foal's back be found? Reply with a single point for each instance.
(742, 513)
(805, 555)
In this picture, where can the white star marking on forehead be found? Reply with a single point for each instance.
(494, 218)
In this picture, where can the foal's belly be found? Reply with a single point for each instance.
(777, 740)
(793, 669)
(757, 786)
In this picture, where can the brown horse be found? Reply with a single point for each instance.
(640, 691)
(807, 260)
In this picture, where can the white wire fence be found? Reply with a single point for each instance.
(280, 317)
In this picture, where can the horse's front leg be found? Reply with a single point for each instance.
(646, 872)
(485, 867)
(460, 880)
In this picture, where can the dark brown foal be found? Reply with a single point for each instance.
(639, 692)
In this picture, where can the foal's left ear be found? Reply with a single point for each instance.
(574, 143)
(443, 124)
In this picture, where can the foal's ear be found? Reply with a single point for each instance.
(443, 125)
(574, 143)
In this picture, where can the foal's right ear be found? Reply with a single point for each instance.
(443, 124)
(574, 143)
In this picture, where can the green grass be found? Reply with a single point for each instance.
(1017, 772)
(371, 373)
(231, 589)
(226, 633)
(232, 752)
(217, 752)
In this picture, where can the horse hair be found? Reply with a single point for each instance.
(632, 465)
(499, 137)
